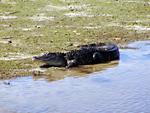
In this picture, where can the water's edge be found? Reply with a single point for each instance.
(117, 88)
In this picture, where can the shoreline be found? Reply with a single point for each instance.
(32, 27)
(10, 73)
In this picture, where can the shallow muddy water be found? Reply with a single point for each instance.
(121, 88)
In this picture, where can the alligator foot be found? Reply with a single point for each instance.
(71, 63)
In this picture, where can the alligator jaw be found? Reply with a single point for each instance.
(45, 66)
(51, 59)
(34, 58)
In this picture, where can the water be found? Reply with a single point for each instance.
(121, 88)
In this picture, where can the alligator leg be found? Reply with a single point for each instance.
(71, 63)
(98, 57)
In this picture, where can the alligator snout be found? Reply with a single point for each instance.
(51, 59)
(34, 58)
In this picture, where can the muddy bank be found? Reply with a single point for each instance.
(117, 88)
(32, 27)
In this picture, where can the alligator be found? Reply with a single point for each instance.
(85, 55)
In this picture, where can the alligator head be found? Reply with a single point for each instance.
(51, 59)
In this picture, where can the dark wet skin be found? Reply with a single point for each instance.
(87, 54)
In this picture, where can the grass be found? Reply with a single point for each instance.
(103, 21)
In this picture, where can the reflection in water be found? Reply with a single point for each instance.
(114, 88)
(60, 73)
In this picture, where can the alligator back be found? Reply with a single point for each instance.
(108, 50)
(82, 56)
(85, 55)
